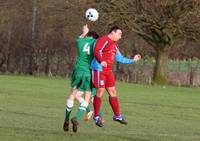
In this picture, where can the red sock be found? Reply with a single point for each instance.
(115, 105)
(97, 105)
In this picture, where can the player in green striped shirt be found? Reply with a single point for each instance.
(81, 80)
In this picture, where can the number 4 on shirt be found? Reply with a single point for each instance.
(86, 48)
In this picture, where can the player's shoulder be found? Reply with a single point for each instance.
(79, 39)
(103, 39)
(85, 39)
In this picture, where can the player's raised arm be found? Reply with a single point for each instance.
(121, 59)
(85, 31)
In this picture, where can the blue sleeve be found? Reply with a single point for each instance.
(121, 59)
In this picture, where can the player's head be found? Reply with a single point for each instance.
(115, 33)
(92, 34)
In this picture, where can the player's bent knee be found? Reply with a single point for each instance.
(88, 93)
(88, 96)
(71, 97)
(100, 92)
(80, 100)
(73, 91)
(99, 95)
(78, 96)
(112, 92)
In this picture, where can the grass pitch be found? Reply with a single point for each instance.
(32, 109)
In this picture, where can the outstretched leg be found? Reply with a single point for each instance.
(114, 103)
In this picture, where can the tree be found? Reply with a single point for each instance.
(161, 23)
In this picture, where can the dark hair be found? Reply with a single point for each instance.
(93, 34)
(115, 28)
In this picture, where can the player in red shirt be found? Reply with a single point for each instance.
(105, 53)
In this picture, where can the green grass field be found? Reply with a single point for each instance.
(32, 109)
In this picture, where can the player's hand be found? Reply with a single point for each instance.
(85, 29)
(103, 64)
(137, 57)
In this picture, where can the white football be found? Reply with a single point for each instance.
(92, 14)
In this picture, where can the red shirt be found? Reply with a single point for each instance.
(108, 48)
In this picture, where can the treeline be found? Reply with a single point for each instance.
(38, 36)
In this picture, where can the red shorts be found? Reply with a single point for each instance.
(103, 79)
